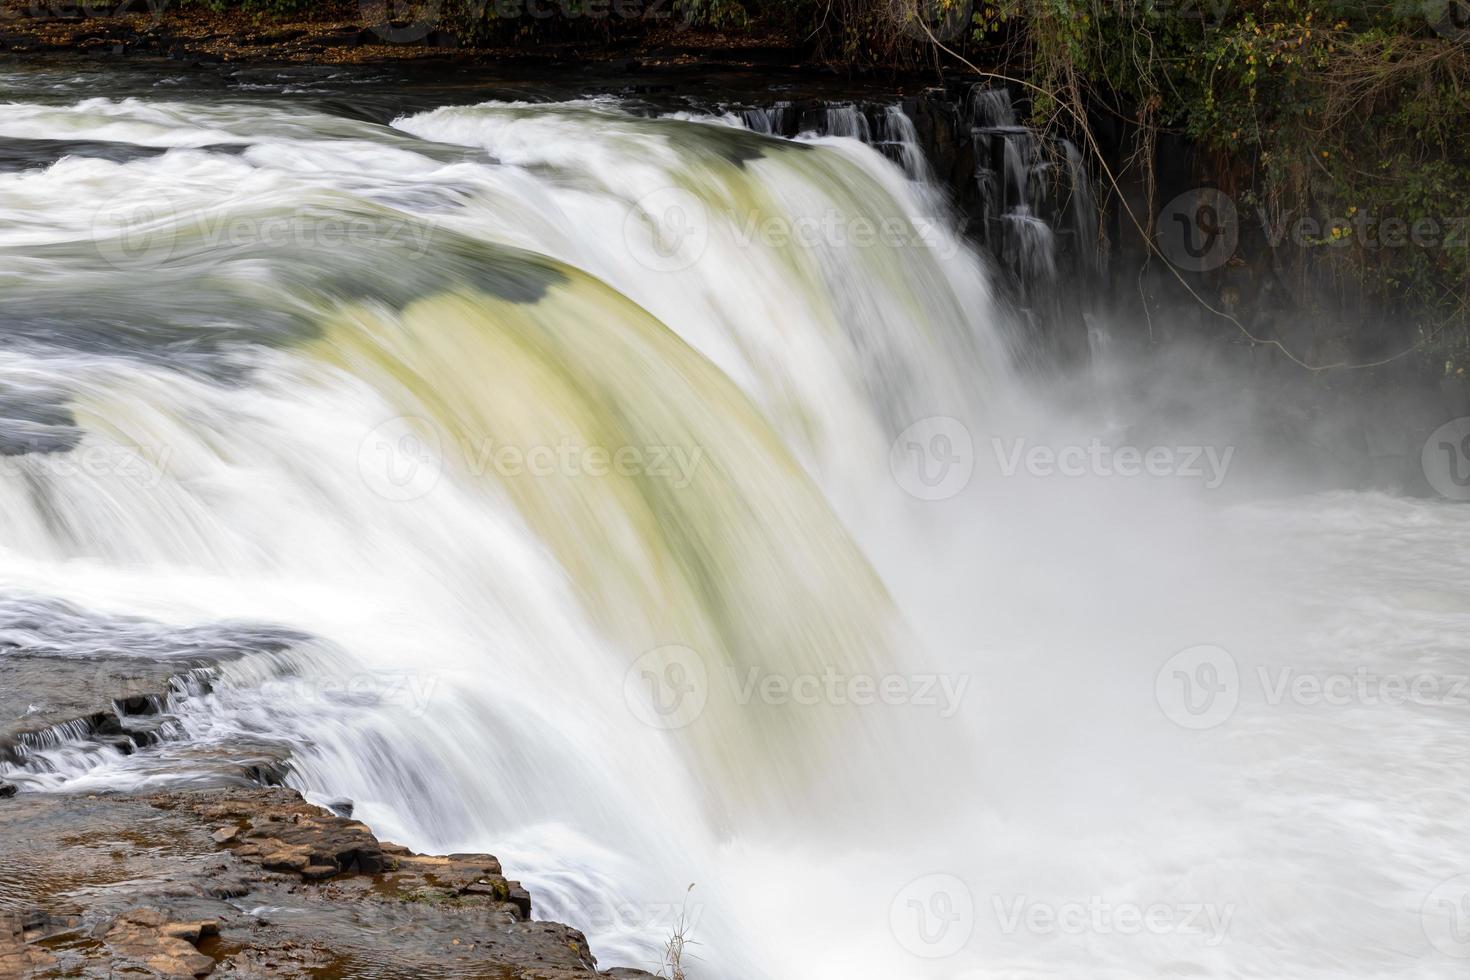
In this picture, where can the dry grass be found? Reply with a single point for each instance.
(673, 964)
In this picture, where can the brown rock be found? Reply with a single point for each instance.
(191, 932)
(296, 859)
(420, 904)
(521, 899)
(18, 957)
(145, 935)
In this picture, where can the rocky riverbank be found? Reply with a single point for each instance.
(343, 34)
(254, 882)
(207, 869)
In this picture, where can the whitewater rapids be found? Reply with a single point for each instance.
(575, 439)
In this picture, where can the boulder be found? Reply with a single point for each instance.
(146, 936)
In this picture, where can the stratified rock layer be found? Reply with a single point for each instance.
(254, 882)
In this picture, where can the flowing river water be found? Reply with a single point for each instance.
(635, 496)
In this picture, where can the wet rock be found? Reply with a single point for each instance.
(163, 895)
(192, 932)
(294, 836)
(341, 806)
(18, 957)
(292, 860)
(148, 937)
(271, 37)
(227, 888)
(7, 790)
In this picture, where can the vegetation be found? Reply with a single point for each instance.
(1340, 126)
(1343, 126)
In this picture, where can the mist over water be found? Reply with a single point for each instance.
(651, 501)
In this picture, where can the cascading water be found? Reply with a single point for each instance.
(539, 438)
(487, 292)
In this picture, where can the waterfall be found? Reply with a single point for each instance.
(313, 340)
(654, 499)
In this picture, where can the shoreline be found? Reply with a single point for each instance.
(255, 882)
(333, 37)
(218, 868)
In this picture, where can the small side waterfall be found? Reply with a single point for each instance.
(1041, 210)
(1026, 197)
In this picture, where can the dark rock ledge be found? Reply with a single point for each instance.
(254, 882)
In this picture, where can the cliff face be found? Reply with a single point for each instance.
(241, 879)
(254, 881)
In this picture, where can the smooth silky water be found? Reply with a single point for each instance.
(343, 375)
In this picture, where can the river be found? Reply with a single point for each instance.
(650, 502)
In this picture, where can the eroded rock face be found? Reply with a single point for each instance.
(254, 882)
(279, 831)
(148, 937)
(19, 932)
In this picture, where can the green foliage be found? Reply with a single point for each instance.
(275, 8)
(1335, 109)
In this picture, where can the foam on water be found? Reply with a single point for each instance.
(292, 430)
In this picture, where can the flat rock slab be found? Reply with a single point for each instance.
(100, 886)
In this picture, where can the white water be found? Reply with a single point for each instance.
(323, 484)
